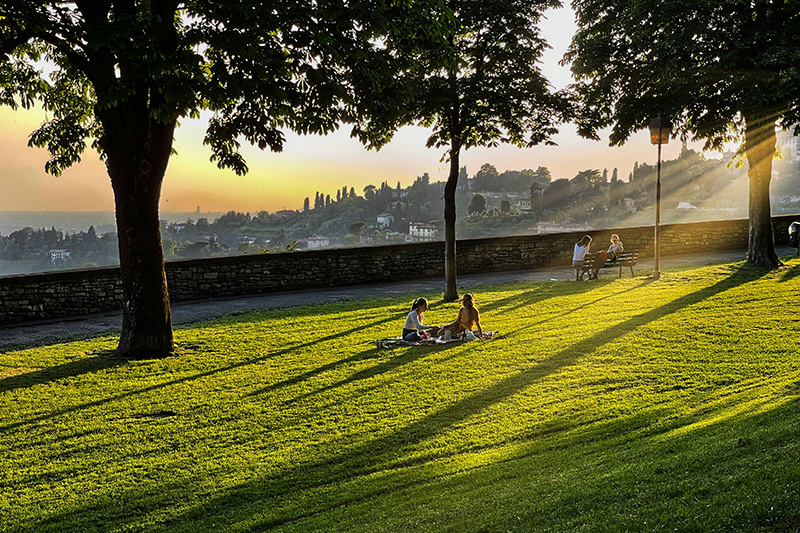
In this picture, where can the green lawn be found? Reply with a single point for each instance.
(617, 405)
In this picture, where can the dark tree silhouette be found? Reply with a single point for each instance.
(127, 71)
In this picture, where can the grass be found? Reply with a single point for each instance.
(617, 405)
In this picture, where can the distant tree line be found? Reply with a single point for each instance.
(85, 248)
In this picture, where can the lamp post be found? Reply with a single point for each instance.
(659, 134)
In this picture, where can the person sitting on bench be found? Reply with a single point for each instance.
(580, 251)
(607, 256)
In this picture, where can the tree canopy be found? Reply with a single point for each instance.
(721, 71)
(124, 72)
(480, 85)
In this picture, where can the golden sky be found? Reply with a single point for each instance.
(307, 164)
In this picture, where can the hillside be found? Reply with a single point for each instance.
(623, 404)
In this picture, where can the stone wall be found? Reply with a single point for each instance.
(80, 292)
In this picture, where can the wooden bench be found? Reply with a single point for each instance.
(628, 258)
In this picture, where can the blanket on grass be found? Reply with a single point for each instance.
(394, 342)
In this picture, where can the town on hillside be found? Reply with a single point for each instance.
(489, 203)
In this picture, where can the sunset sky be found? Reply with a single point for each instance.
(307, 164)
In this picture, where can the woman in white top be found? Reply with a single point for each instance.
(413, 328)
(581, 249)
(608, 256)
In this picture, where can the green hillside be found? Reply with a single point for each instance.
(623, 404)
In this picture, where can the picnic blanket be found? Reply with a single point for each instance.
(394, 342)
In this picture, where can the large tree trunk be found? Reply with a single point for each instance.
(760, 149)
(137, 171)
(450, 267)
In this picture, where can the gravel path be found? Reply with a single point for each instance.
(34, 334)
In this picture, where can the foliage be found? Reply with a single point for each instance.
(704, 64)
(297, 68)
(477, 204)
(358, 228)
(675, 411)
(248, 248)
(34, 245)
(125, 72)
(486, 178)
(489, 88)
(480, 86)
(720, 70)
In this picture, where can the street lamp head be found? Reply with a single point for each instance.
(659, 130)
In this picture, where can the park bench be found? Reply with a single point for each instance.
(628, 258)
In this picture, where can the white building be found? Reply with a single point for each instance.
(630, 204)
(417, 231)
(58, 256)
(789, 145)
(317, 241)
(385, 219)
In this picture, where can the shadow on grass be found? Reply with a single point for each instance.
(410, 355)
(539, 293)
(192, 377)
(387, 452)
(614, 296)
(62, 371)
(790, 273)
(367, 354)
(623, 474)
(390, 453)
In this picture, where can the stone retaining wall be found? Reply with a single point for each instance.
(80, 292)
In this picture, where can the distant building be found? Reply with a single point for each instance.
(524, 204)
(385, 219)
(630, 204)
(557, 227)
(417, 231)
(317, 241)
(283, 213)
(58, 256)
(789, 145)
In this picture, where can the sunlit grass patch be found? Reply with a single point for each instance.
(610, 405)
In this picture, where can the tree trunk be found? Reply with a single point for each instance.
(136, 177)
(450, 270)
(760, 149)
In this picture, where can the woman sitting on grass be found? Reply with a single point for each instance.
(608, 256)
(413, 330)
(467, 317)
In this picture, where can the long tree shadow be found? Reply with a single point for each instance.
(361, 356)
(412, 354)
(612, 442)
(584, 305)
(386, 452)
(62, 371)
(540, 292)
(790, 273)
(526, 299)
(192, 377)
